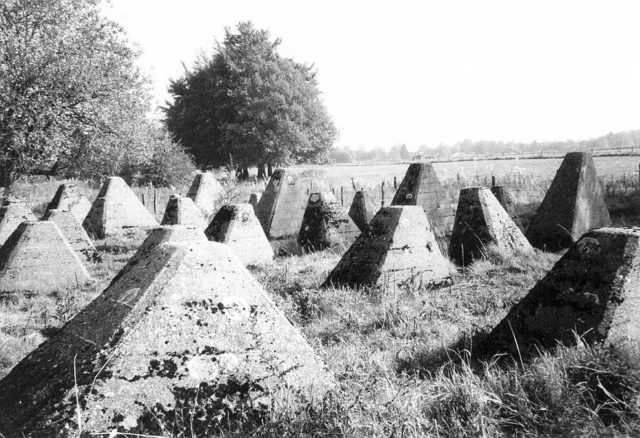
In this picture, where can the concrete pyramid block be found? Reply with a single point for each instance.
(12, 213)
(69, 198)
(38, 258)
(422, 187)
(282, 205)
(481, 221)
(115, 209)
(181, 210)
(254, 198)
(592, 290)
(504, 198)
(399, 248)
(360, 212)
(74, 233)
(326, 224)
(237, 226)
(573, 205)
(206, 193)
(183, 333)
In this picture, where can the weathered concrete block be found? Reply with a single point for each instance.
(326, 224)
(421, 186)
(181, 210)
(237, 226)
(69, 198)
(37, 258)
(573, 205)
(115, 209)
(74, 233)
(185, 331)
(360, 212)
(504, 198)
(592, 290)
(481, 221)
(12, 213)
(399, 248)
(254, 198)
(206, 192)
(281, 207)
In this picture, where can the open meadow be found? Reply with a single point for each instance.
(401, 357)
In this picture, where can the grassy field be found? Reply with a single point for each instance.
(400, 357)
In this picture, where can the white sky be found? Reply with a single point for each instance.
(425, 72)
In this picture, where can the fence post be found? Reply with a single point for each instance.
(143, 201)
(353, 183)
(382, 191)
(493, 181)
(155, 201)
(341, 195)
(395, 183)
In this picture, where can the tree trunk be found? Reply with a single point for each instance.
(261, 171)
(8, 174)
(269, 169)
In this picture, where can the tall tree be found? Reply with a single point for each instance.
(70, 95)
(249, 102)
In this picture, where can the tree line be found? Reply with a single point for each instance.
(612, 141)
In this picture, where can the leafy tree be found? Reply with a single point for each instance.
(248, 102)
(71, 99)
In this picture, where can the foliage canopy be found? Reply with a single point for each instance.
(72, 101)
(250, 103)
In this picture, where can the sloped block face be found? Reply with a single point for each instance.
(37, 258)
(69, 198)
(360, 212)
(237, 226)
(504, 198)
(282, 205)
(115, 209)
(573, 205)
(157, 338)
(206, 192)
(399, 248)
(12, 213)
(326, 224)
(422, 187)
(254, 199)
(592, 290)
(181, 210)
(73, 232)
(481, 221)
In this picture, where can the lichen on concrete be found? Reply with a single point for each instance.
(186, 317)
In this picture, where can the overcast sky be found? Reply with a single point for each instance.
(426, 72)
